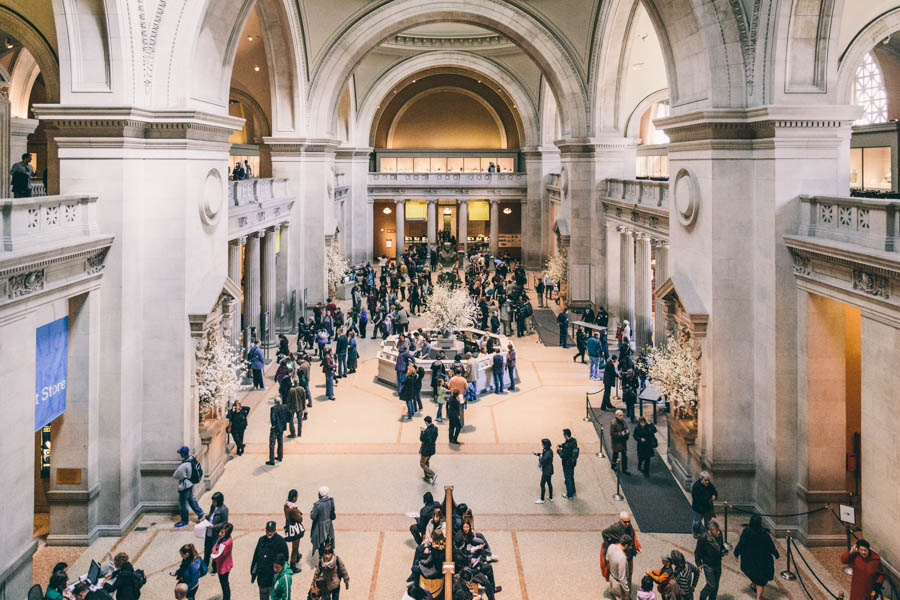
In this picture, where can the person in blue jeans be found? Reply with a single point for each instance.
(341, 344)
(497, 365)
(186, 487)
(328, 367)
(594, 352)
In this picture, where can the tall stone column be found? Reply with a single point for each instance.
(251, 282)
(661, 254)
(268, 283)
(462, 229)
(495, 225)
(432, 224)
(578, 183)
(643, 299)
(235, 247)
(5, 158)
(626, 282)
(400, 215)
(282, 262)
(536, 226)
(613, 300)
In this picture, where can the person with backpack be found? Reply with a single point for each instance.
(188, 474)
(190, 571)
(123, 580)
(568, 453)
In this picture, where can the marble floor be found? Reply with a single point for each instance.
(360, 448)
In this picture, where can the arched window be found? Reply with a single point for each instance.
(660, 111)
(869, 92)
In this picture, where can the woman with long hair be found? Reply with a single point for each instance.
(221, 555)
(191, 569)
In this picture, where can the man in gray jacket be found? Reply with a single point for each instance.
(186, 487)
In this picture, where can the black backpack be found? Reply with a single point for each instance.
(196, 471)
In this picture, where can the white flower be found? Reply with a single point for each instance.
(217, 374)
(450, 309)
(558, 266)
(673, 368)
(336, 265)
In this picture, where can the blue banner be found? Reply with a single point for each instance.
(51, 370)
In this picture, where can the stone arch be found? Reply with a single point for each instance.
(206, 76)
(352, 43)
(873, 33)
(39, 48)
(25, 72)
(259, 122)
(525, 111)
(632, 125)
(703, 48)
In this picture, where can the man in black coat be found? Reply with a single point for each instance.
(418, 528)
(609, 382)
(568, 454)
(703, 494)
(428, 436)
(278, 417)
(262, 571)
(708, 555)
(563, 321)
(453, 415)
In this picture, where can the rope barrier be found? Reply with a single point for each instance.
(810, 569)
(750, 512)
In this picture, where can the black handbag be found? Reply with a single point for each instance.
(294, 531)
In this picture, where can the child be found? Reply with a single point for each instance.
(646, 591)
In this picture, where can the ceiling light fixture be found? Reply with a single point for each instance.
(387, 210)
(414, 80)
(479, 81)
(447, 211)
(256, 68)
(507, 211)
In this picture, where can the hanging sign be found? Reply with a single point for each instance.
(51, 371)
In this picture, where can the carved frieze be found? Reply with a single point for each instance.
(869, 283)
(801, 264)
(25, 283)
(96, 262)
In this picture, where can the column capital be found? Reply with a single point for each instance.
(495, 201)
(624, 229)
(399, 201)
(284, 224)
(271, 229)
(661, 244)
(238, 241)
(431, 200)
(643, 237)
(462, 201)
(255, 234)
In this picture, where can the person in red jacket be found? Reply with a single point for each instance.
(868, 576)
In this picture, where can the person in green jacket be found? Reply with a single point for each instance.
(281, 588)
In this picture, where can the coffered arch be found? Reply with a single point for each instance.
(523, 109)
(354, 41)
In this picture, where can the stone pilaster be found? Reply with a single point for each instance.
(235, 264)
(267, 275)
(282, 262)
(462, 229)
(400, 225)
(252, 282)
(661, 256)
(536, 226)
(5, 155)
(495, 225)
(19, 130)
(613, 300)
(643, 298)
(356, 224)
(577, 160)
(432, 224)
(626, 285)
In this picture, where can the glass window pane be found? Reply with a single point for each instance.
(422, 165)
(856, 168)
(877, 168)
(389, 165)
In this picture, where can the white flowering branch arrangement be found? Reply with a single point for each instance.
(449, 309)
(336, 265)
(673, 368)
(558, 266)
(218, 366)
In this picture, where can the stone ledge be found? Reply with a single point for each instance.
(17, 563)
(65, 496)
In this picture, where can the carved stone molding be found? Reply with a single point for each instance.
(869, 283)
(801, 264)
(212, 198)
(96, 262)
(25, 283)
(686, 197)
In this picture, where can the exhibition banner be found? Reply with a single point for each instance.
(51, 370)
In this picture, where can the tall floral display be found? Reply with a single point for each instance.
(336, 266)
(449, 309)
(558, 266)
(217, 375)
(674, 368)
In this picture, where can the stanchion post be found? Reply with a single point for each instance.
(727, 547)
(600, 454)
(787, 573)
(618, 495)
(587, 408)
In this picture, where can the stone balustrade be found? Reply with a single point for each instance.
(636, 191)
(26, 223)
(449, 179)
(256, 191)
(869, 222)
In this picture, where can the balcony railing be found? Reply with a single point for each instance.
(255, 191)
(449, 179)
(654, 194)
(869, 222)
(42, 220)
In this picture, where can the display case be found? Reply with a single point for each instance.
(874, 158)
(446, 161)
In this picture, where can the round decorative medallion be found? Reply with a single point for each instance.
(212, 198)
(686, 197)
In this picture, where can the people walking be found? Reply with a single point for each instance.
(580, 344)
(237, 424)
(321, 516)
(428, 437)
(645, 436)
(408, 391)
(257, 364)
(278, 416)
(454, 414)
(708, 554)
(562, 320)
(269, 548)
(757, 553)
(568, 453)
(609, 382)
(328, 368)
(352, 352)
(868, 574)
(294, 406)
(221, 556)
(685, 573)
(187, 474)
(618, 433)
(293, 528)
(614, 534)
(595, 353)
(340, 350)
(330, 572)
(703, 495)
(218, 517)
(545, 463)
(20, 175)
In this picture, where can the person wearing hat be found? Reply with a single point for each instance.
(262, 567)
(186, 487)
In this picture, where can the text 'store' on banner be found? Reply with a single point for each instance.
(51, 371)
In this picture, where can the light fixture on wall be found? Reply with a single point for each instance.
(9, 43)
(387, 210)
(249, 38)
(886, 41)
(256, 68)
(507, 211)
(447, 211)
